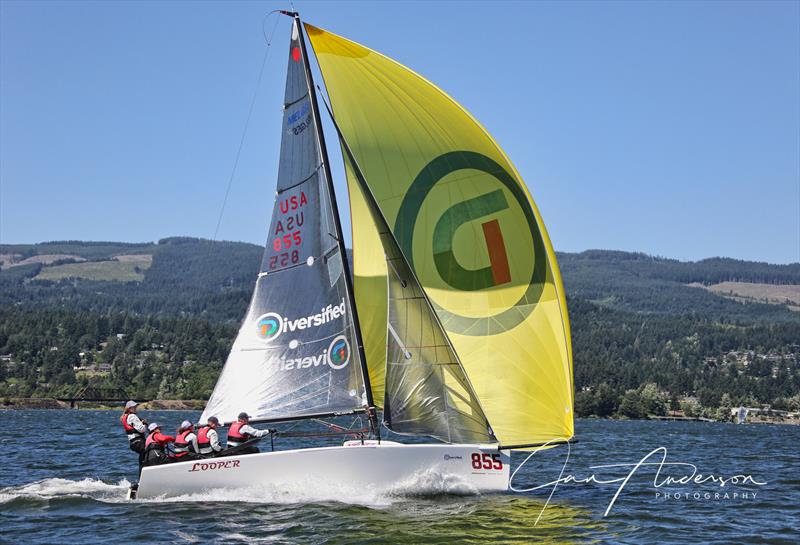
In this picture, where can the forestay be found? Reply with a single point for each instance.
(295, 353)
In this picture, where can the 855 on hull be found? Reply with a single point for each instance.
(388, 467)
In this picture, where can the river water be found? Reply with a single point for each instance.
(64, 476)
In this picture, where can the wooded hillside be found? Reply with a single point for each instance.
(644, 339)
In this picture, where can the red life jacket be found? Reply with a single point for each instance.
(124, 420)
(203, 442)
(182, 446)
(130, 431)
(235, 437)
(152, 443)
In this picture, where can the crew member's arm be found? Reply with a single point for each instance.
(137, 423)
(213, 438)
(161, 438)
(192, 439)
(250, 430)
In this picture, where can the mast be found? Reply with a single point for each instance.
(338, 225)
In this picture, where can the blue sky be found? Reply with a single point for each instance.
(667, 128)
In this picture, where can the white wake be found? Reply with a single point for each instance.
(61, 488)
(428, 483)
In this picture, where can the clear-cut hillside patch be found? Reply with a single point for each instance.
(13, 260)
(125, 268)
(774, 294)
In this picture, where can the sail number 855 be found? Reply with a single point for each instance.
(486, 461)
(284, 259)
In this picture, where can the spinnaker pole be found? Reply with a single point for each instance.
(371, 412)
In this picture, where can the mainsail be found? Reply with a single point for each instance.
(296, 352)
(468, 229)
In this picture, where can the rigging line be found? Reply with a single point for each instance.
(341, 429)
(247, 121)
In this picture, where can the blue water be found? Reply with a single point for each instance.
(64, 475)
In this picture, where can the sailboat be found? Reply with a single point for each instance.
(741, 415)
(452, 325)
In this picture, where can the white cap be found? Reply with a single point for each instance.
(153, 426)
(186, 425)
(130, 404)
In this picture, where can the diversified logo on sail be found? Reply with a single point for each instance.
(271, 325)
(336, 356)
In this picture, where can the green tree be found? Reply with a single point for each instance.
(653, 399)
(606, 400)
(585, 403)
(691, 407)
(631, 405)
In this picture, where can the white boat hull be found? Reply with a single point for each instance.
(391, 468)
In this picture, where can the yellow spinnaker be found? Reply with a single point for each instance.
(469, 228)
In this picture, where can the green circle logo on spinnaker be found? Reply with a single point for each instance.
(479, 208)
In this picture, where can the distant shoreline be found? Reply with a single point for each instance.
(22, 403)
(199, 404)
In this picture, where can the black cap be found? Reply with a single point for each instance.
(244, 416)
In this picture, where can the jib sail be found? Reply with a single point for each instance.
(426, 389)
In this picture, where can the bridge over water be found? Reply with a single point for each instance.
(96, 394)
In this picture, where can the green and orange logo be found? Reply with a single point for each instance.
(269, 326)
(493, 222)
(338, 353)
(443, 255)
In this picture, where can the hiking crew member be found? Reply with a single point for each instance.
(155, 446)
(240, 431)
(135, 428)
(208, 438)
(185, 446)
